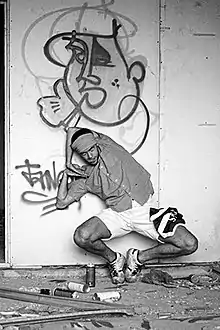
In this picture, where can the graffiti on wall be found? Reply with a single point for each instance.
(98, 80)
(33, 174)
(102, 80)
(95, 79)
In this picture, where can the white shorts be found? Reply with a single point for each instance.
(135, 219)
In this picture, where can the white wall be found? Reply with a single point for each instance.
(187, 124)
(43, 240)
(190, 118)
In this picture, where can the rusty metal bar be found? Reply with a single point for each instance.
(77, 304)
(62, 317)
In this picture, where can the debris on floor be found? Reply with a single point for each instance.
(158, 277)
(167, 298)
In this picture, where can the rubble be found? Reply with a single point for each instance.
(168, 298)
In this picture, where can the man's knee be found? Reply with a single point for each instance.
(81, 237)
(190, 245)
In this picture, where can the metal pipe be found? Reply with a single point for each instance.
(37, 298)
(61, 317)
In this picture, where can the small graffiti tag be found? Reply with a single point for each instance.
(45, 179)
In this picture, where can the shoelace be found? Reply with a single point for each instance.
(135, 270)
(114, 271)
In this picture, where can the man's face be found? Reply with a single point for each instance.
(91, 155)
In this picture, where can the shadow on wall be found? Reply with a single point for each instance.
(2, 235)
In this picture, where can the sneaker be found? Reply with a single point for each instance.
(133, 267)
(116, 269)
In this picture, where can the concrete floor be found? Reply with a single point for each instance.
(186, 305)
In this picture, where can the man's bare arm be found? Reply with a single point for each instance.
(69, 151)
(76, 169)
(63, 199)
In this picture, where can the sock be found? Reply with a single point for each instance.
(115, 258)
(137, 257)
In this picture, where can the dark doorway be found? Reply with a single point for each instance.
(2, 132)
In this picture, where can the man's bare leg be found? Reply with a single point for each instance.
(89, 237)
(181, 243)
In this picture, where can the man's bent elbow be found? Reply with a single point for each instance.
(60, 205)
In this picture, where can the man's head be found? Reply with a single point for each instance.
(84, 143)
